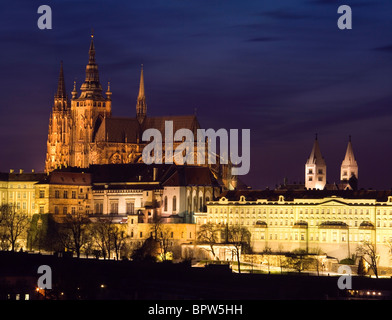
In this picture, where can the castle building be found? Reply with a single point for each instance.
(335, 222)
(62, 193)
(145, 193)
(17, 188)
(83, 132)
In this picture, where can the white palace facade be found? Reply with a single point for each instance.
(332, 222)
(317, 217)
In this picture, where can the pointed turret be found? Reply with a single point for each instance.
(349, 167)
(141, 106)
(60, 98)
(59, 128)
(91, 88)
(315, 169)
(61, 92)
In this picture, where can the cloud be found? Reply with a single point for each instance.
(387, 48)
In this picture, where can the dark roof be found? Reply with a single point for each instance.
(179, 122)
(134, 172)
(129, 130)
(136, 176)
(191, 176)
(118, 130)
(25, 176)
(273, 195)
(67, 178)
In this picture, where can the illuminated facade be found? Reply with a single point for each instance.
(18, 188)
(334, 222)
(349, 168)
(169, 192)
(315, 169)
(62, 193)
(83, 132)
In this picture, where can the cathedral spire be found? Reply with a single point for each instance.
(349, 167)
(316, 156)
(91, 51)
(141, 86)
(61, 92)
(141, 106)
(91, 88)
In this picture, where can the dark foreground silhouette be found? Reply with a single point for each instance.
(90, 279)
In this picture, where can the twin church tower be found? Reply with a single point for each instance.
(316, 169)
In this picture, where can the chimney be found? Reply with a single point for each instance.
(155, 174)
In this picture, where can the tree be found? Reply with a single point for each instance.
(161, 234)
(100, 232)
(317, 252)
(368, 252)
(164, 242)
(118, 238)
(239, 237)
(209, 234)
(299, 260)
(361, 267)
(73, 232)
(13, 225)
(267, 252)
(146, 252)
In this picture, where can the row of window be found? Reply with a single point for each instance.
(319, 171)
(300, 211)
(200, 207)
(65, 194)
(253, 222)
(171, 235)
(19, 195)
(85, 104)
(316, 237)
(113, 207)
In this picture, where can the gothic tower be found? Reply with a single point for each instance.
(88, 110)
(59, 134)
(141, 106)
(349, 168)
(315, 169)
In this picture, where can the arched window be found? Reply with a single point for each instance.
(174, 203)
(165, 204)
(201, 204)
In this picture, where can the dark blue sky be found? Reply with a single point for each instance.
(280, 68)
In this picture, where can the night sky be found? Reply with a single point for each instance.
(280, 68)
